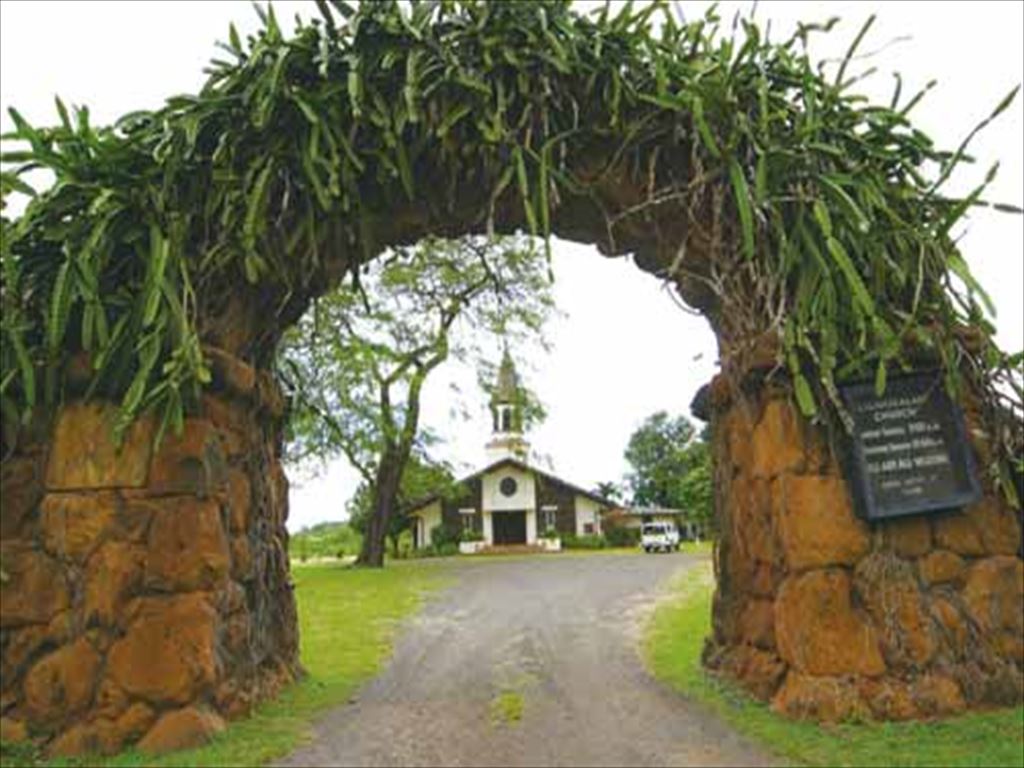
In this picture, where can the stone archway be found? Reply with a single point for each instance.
(147, 589)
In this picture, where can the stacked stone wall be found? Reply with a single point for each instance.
(829, 617)
(146, 594)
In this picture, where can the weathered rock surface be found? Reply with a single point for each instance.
(776, 446)
(819, 632)
(62, 683)
(888, 589)
(35, 589)
(192, 462)
(75, 524)
(169, 651)
(181, 729)
(958, 533)
(817, 697)
(940, 567)
(85, 455)
(113, 575)
(187, 546)
(907, 536)
(816, 523)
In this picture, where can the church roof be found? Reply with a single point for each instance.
(526, 467)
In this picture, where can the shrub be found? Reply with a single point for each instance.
(550, 533)
(620, 536)
(443, 534)
(446, 549)
(472, 536)
(588, 541)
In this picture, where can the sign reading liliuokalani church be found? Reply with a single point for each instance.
(909, 451)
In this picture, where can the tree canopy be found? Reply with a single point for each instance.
(670, 466)
(801, 209)
(357, 362)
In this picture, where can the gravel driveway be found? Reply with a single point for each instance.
(554, 635)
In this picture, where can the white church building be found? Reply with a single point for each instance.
(509, 502)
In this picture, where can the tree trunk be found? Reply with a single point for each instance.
(385, 494)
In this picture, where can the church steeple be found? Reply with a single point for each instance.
(507, 415)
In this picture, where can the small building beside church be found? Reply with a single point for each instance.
(509, 501)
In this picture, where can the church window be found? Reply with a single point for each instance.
(468, 516)
(508, 486)
(548, 518)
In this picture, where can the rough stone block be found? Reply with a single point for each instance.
(816, 523)
(994, 595)
(35, 589)
(907, 536)
(889, 591)
(937, 695)
(187, 547)
(78, 740)
(750, 513)
(940, 567)
(953, 631)
(169, 651)
(757, 624)
(819, 632)
(758, 671)
(111, 700)
(958, 533)
(192, 462)
(135, 721)
(62, 683)
(113, 575)
(826, 699)
(13, 731)
(738, 425)
(22, 483)
(84, 454)
(239, 499)
(232, 421)
(73, 525)
(241, 558)
(777, 444)
(181, 729)
(888, 699)
(997, 525)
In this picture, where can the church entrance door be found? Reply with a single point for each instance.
(509, 527)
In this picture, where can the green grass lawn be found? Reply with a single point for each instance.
(672, 648)
(347, 619)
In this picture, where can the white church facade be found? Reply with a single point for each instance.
(510, 502)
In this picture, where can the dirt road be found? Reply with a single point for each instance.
(528, 662)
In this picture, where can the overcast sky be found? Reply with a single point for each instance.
(624, 349)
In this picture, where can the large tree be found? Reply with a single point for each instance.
(357, 362)
(670, 466)
(421, 478)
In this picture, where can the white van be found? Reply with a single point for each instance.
(663, 537)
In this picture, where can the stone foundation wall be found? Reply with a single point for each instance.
(829, 617)
(146, 595)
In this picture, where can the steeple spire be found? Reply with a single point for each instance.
(507, 415)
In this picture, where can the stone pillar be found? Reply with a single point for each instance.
(829, 617)
(146, 594)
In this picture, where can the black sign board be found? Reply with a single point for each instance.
(909, 452)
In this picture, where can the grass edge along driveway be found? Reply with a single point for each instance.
(672, 644)
(347, 621)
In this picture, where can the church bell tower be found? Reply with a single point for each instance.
(507, 441)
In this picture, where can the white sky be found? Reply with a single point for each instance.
(625, 349)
